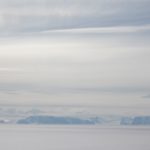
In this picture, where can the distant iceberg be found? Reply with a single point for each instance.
(54, 120)
(99, 120)
(138, 120)
(141, 120)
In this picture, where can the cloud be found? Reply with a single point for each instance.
(29, 94)
(91, 51)
(100, 30)
(9, 69)
(34, 16)
(146, 96)
(49, 89)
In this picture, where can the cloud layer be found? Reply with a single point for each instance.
(41, 15)
(74, 52)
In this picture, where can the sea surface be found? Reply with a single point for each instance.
(61, 137)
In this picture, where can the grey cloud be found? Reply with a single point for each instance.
(16, 88)
(146, 96)
(105, 58)
(27, 16)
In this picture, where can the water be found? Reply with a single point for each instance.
(16, 137)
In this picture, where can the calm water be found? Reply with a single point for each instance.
(74, 138)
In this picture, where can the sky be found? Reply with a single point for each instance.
(75, 52)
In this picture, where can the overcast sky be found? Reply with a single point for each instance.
(42, 15)
(86, 52)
